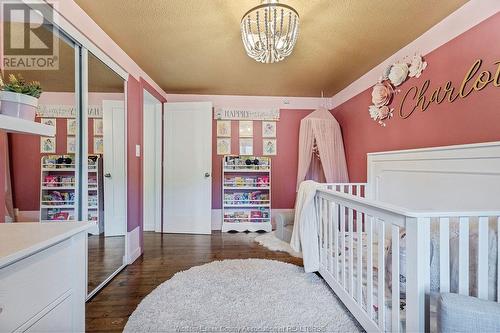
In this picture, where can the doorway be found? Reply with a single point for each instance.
(188, 168)
(152, 162)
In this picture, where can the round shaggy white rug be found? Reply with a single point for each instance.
(252, 295)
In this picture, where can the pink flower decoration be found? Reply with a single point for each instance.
(382, 93)
(384, 112)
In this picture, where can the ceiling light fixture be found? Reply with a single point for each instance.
(269, 31)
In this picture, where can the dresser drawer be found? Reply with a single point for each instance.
(30, 285)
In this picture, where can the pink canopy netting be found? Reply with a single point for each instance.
(321, 149)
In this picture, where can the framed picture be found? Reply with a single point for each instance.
(71, 127)
(98, 145)
(246, 129)
(224, 128)
(71, 145)
(246, 146)
(269, 146)
(98, 128)
(49, 121)
(268, 129)
(47, 145)
(223, 146)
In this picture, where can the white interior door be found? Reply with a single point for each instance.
(188, 168)
(152, 143)
(114, 168)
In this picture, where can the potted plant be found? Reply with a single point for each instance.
(19, 98)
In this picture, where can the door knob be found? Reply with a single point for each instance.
(207, 174)
(107, 175)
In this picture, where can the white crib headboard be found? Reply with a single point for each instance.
(463, 177)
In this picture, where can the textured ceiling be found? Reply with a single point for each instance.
(194, 46)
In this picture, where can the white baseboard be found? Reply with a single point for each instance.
(217, 217)
(134, 250)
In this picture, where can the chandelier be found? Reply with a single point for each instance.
(269, 31)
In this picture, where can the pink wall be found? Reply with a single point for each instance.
(284, 164)
(134, 164)
(3, 154)
(473, 119)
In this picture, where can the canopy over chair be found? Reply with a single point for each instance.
(321, 149)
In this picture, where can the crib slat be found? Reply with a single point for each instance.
(417, 274)
(463, 257)
(349, 189)
(369, 266)
(336, 241)
(381, 275)
(351, 253)
(325, 233)
(444, 255)
(359, 284)
(482, 258)
(331, 224)
(342, 244)
(321, 236)
(498, 259)
(395, 279)
(358, 190)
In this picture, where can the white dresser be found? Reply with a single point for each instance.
(43, 272)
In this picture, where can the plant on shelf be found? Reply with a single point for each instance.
(19, 98)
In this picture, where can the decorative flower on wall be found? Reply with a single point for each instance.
(398, 73)
(384, 91)
(417, 66)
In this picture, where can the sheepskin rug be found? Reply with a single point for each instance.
(273, 243)
(252, 295)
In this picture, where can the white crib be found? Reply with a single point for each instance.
(450, 229)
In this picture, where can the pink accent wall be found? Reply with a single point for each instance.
(473, 119)
(134, 164)
(3, 154)
(284, 164)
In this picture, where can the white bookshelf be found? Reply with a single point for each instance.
(58, 191)
(246, 194)
(57, 178)
(21, 126)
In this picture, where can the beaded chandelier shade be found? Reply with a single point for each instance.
(269, 31)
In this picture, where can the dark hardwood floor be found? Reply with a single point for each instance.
(165, 255)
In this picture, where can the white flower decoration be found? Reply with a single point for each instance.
(417, 66)
(398, 73)
(374, 112)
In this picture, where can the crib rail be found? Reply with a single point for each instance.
(363, 240)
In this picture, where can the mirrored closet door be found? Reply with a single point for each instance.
(106, 183)
(42, 172)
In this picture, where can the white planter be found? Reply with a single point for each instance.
(18, 105)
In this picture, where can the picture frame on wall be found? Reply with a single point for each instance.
(223, 146)
(246, 128)
(269, 147)
(224, 128)
(71, 145)
(268, 129)
(246, 146)
(98, 145)
(49, 122)
(98, 127)
(71, 127)
(47, 145)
